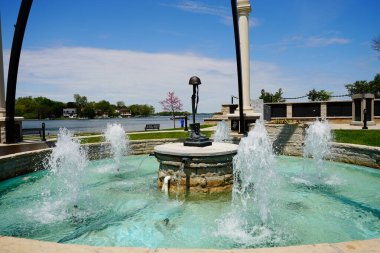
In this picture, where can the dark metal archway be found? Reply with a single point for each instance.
(14, 60)
(18, 37)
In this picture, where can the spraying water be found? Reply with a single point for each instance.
(119, 142)
(66, 165)
(254, 188)
(318, 143)
(67, 162)
(222, 133)
(254, 174)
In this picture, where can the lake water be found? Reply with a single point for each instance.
(99, 125)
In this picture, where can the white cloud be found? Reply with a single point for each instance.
(201, 8)
(145, 78)
(135, 77)
(317, 41)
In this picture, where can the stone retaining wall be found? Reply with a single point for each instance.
(30, 161)
(288, 139)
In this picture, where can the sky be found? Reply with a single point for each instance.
(138, 51)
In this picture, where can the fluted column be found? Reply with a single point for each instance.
(244, 8)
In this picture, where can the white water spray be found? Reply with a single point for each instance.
(67, 162)
(255, 179)
(318, 141)
(222, 133)
(255, 185)
(118, 140)
(65, 165)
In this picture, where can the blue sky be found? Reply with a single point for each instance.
(137, 51)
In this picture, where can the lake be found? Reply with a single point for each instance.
(99, 125)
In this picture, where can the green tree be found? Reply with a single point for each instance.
(38, 108)
(104, 107)
(120, 104)
(26, 107)
(89, 111)
(376, 43)
(321, 95)
(360, 87)
(80, 102)
(268, 97)
(141, 110)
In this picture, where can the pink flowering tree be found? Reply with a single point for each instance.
(172, 104)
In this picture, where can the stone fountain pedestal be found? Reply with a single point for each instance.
(205, 169)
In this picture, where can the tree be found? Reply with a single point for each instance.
(360, 87)
(143, 110)
(38, 108)
(120, 104)
(376, 43)
(171, 104)
(89, 110)
(80, 102)
(104, 107)
(322, 95)
(268, 97)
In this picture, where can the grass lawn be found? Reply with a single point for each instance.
(363, 137)
(147, 136)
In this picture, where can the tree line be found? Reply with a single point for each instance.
(42, 107)
(358, 87)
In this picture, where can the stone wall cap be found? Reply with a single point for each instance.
(178, 149)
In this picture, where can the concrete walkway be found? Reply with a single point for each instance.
(19, 245)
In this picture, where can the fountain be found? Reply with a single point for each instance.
(255, 179)
(197, 165)
(118, 142)
(222, 132)
(317, 144)
(267, 208)
(65, 166)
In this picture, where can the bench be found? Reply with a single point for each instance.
(35, 131)
(152, 127)
(32, 131)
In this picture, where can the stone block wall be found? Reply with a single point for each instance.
(203, 174)
(288, 139)
(22, 163)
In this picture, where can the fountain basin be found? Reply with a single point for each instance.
(205, 169)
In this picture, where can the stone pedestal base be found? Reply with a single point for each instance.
(196, 169)
(248, 119)
(18, 126)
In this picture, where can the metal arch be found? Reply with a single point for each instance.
(238, 63)
(14, 60)
(18, 37)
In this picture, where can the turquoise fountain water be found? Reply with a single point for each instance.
(125, 208)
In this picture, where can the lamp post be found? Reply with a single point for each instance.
(196, 139)
(365, 119)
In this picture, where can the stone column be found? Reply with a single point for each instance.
(323, 110)
(289, 111)
(244, 8)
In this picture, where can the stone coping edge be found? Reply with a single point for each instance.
(178, 149)
(21, 245)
